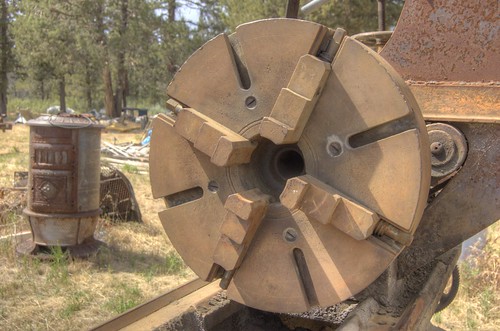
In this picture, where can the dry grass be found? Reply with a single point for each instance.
(13, 157)
(477, 305)
(13, 153)
(138, 262)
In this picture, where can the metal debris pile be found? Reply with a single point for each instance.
(126, 151)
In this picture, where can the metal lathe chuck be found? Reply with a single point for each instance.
(295, 165)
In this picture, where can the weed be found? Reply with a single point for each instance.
(471, 322)
(103, 257)
(35, 106)
(486, 300)
(7, 249)
(157, 109)
(131, 169)
(149, 274)
(173, 263)
(438, 318)
(74, 303)
(127, 297)
(59, 265)
(477, 302)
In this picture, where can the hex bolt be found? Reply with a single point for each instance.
(334, 148)
(386, 229)
(226, 279)
(213, 186)
(251, 102)
(290, 235)
(174, 106)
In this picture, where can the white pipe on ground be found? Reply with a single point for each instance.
(312, 6)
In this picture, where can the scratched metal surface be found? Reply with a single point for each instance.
(447, 40)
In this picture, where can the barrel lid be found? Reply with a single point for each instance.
(66, 121)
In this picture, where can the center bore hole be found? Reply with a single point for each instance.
(272, 165)
(289, 163)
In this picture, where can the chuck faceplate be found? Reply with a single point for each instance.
(295, 165)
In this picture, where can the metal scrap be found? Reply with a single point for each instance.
(126, 151)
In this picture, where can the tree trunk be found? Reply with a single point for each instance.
(62, 94)
(4, 53)
(120, 93)
(172, 6)
(126, 91)
(109, 102)
(88, 88)
(42, 89)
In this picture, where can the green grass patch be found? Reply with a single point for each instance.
(174, 264)
(76, 301)
(131, 169)
(58, 266)
(126, 297)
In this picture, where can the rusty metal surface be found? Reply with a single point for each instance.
(449, 54)
(418, 313)
(447, 40)
(409, 304)
(63, 182)
(459, 102)
(348, 130)
(449, 51)
(117, 198)
(468, 203)
(201, 306)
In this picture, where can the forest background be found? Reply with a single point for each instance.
(111, 54)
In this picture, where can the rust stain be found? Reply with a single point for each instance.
(447, 40)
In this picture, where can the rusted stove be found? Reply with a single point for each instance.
(63, 184)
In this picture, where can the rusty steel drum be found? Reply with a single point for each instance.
(64, 180)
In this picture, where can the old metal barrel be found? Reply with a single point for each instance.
(64, 180)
